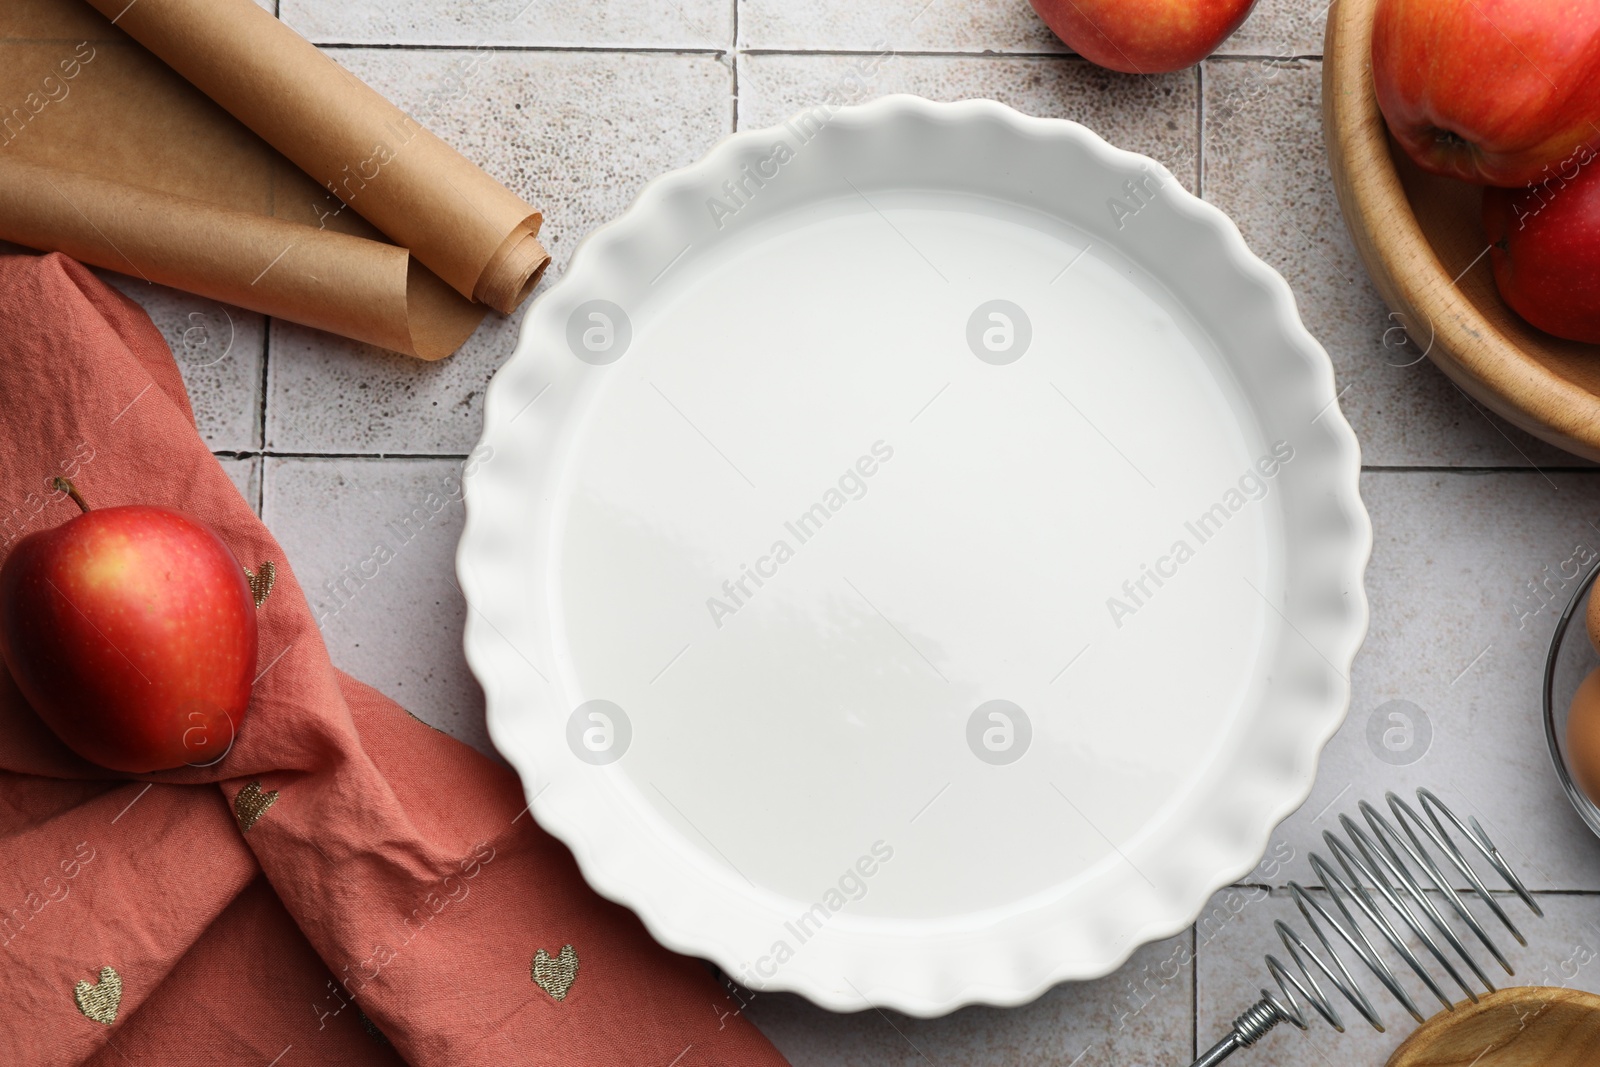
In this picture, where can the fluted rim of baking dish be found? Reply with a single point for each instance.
(1231, 828)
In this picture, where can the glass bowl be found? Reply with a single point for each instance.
(1571, 659)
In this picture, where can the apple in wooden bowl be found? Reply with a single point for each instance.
(1423, 239)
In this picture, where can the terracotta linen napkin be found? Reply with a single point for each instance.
(347, 885)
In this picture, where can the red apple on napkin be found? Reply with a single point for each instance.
(1491, 91)
(1545, 247)
(132, 632)
(1143, 36)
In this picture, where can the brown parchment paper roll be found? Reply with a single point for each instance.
(363, 289)
(468, 228)
(78, 95)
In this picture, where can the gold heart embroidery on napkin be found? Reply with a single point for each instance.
(100, 1000)
(555, 976)
(261, 581)
(252, 802)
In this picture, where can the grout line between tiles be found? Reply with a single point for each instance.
(1194, 991)
(693, 50)
(479, 46)
(260, 454)
(623, 49)
(1400, 468)
(956, 53)
(1246, 57)
(922, 52)
(734, 59)
(1200, 130)
(261, 492)
(261, 428)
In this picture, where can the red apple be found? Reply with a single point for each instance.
(1143, 36)
(1545, 247)
(1490, 91)
(132, 632)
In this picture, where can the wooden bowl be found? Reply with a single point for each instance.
(1423, 242)
(1546, 1026)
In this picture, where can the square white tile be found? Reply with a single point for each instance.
(609, 23)
(1280, 28)
(903, 25)
(373, 545)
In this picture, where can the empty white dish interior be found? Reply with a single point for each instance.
(815, 515)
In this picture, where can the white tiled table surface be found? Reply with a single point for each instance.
(575, 106)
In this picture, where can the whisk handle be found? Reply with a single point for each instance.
(1248, 1028)
(1219, 1052)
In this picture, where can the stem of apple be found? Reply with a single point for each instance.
(63, 486)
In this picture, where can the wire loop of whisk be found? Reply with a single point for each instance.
(1393, 878)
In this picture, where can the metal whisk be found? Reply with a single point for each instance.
(1383, 863)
